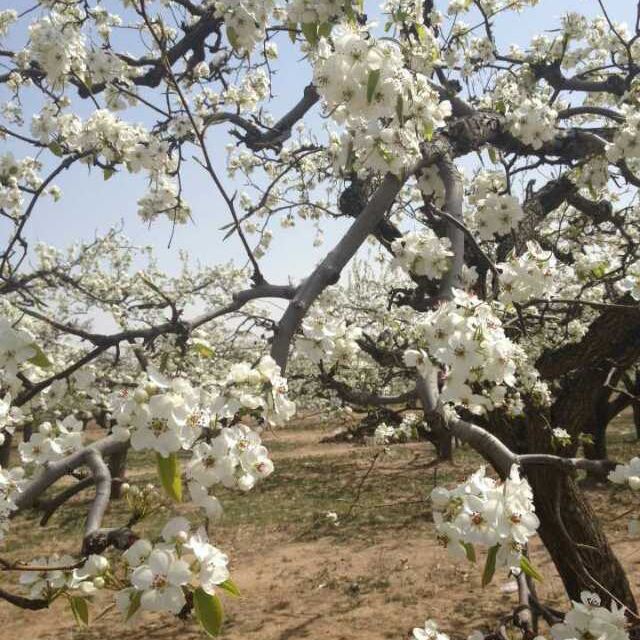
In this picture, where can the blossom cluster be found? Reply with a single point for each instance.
(161, 574)
(362, 81)
(631, 282)
(328, 340)
(497, 215)
(105, 137)
(532, 121)
(161, 415)
(423, 253)
(626, 141)
(532, 274)
(431, 185)
(429, 632)
(466, 338)
(52, 441)
(314, 12)
(588, 619)
(482, 511)
(57, 46)
(16, 347)
(56, 574)
(258, 387)
(386, 433)
(166, 415)
(628, 475)
(585, 620)
(17, 176)
(235, 458)
(245, 21)
(11, 484)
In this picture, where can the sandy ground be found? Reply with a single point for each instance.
(377, 584)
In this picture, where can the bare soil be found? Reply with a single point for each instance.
(376, 574)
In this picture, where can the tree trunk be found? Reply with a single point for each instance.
(635, 404)
(597, 429)
(572, 534)
(5, 450)
(571, 531)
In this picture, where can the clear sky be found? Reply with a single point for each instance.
(90, 205)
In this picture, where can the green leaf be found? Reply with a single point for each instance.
(529, 569)
(56, 149)
(493, 156)
(230, 587)
(469, 551)
(203, 350)
(324, 30)
(293, 31)
(208, 610)
(310, 31)
(169, 472)
(80, 609)
(428, 132)
(372, 83)
(232, 37)
(134, 605)
(400, 109)
(490, 565)
(40, 359)
(422, 32)
(108, 173)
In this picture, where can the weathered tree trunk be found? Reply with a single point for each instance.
(5, 450)
(571, 531)
(572, 534)
(597, 429)
(636, 405)
(569, 527)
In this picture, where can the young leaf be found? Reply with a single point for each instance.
(372, 83)
(107, 173)
(169, 472)
(400, 109)
(293, 31)
(422, 32)
(230, 587)
(428, 132)
(310, 31)
(469, 551)
(80, 609)
(208, 610)
(40, 359)
(529, 569)
(134, 604)
(233, 37)
(490, 565)
(493, 156)
(324, 29)
(56, 149)
(203, 350)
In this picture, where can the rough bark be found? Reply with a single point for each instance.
(572, 533)
(5, 450)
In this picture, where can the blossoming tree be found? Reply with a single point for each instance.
(501, 310)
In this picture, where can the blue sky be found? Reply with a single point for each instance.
(90, 205)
